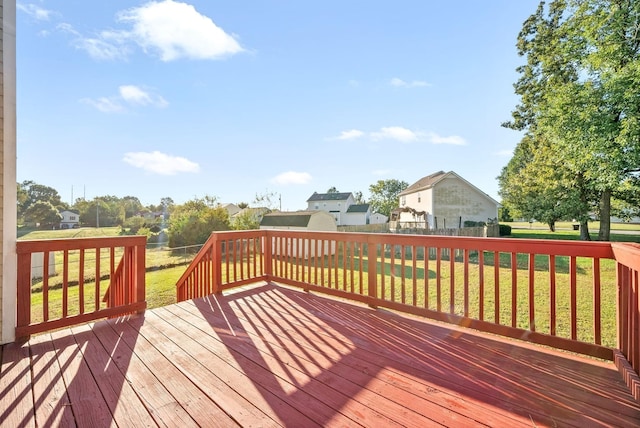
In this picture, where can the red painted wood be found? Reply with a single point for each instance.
(532, 291)
(115, 389)
(166, 405)
(52, 406)
(15, 386)
(573, 278)
(597, 303)
(552, 296)
(88, 405)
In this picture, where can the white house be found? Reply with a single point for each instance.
(70, 219)
(300, 220)
(443, 200)
(336, 204)
(377, 218)
(356, 214)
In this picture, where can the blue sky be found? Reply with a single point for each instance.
(237, 98)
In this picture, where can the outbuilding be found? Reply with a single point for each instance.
(300, 221)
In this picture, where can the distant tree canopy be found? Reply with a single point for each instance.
(580, 110)
(192, 222)
(38, 204)
(384, 195)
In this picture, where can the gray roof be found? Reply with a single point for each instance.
(282, 219)
(329, 196)
(424, 183)
(358, 208)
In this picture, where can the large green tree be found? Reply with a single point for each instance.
(384, 195)
(192, 222)
(580, 92)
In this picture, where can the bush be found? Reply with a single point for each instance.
(471, 223)
(505, 230)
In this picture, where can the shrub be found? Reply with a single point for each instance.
(505, 230)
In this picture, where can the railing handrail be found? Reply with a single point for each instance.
(130, 274)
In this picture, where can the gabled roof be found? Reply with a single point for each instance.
(358, 208)
(431, 180)
(295, 219)
(329, 196)
(70, 211)
(424, 183)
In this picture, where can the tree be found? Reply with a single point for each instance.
(333, 189)
(268, 199)
(359, 198)
(44, 213)
(384, 195)
(193, 222)
(30, 192)
(579, 91)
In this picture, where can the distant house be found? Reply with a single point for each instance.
(443, 200)
(377, 218)
(250, 214)
(232, 209)
(356, 214)
(70, 219)
(335, 204)
(300, 220)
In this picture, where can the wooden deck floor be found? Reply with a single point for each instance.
(271, 356)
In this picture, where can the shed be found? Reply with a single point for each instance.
(300, 221)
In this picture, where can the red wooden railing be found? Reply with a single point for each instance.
(572, 295)
(627, 357)
(75, 294)
(227, 259)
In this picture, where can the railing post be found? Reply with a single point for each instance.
(216, 259)
(140, 272)
(23, 309)
(267, 245)
(372, 274)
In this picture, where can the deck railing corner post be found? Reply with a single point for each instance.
(216, 257)
(268, 253)
(372, 274)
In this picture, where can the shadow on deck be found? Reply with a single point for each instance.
(271, 356)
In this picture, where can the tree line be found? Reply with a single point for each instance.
(579, 110)
(178, 225)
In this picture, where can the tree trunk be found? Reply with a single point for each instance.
(605, 216)
(584, 230)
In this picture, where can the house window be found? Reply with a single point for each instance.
(419, 199)
(403, 201)
(317, 206)
(72, 217)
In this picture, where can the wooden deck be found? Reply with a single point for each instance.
(272, 356)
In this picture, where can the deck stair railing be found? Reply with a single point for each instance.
(78, 280)
(572, 295)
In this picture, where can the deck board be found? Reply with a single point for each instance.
(272, 356)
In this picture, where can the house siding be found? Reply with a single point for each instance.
(8, 178)
(455, 201)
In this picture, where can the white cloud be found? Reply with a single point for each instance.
(452, 139)
(403, 84)
(169, 29)
(128, 95)
(292, 177)
(36, 12)
(397, 133)
(351, 134)
(176, 30)
(104, 104)
(137, 96)
(160, 163)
